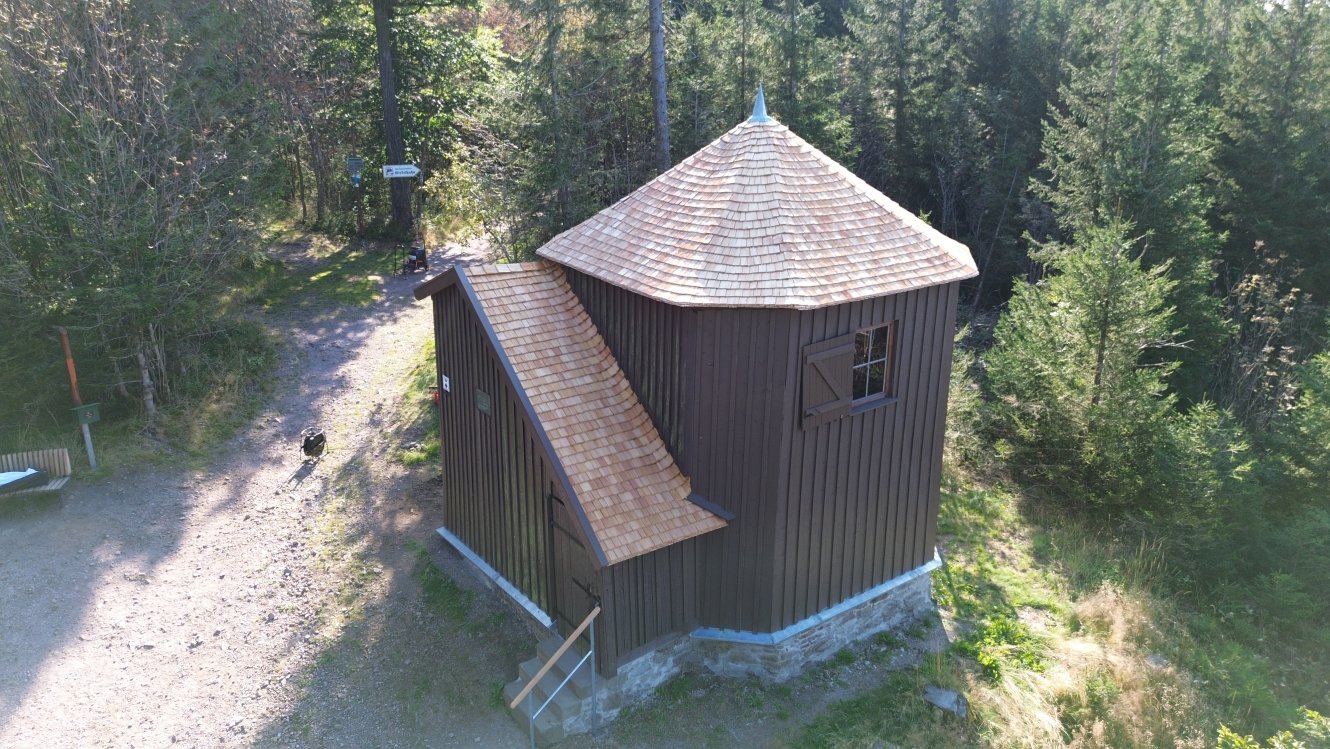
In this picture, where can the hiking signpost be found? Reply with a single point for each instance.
(396, 171)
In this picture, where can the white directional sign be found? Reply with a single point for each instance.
(392, 171)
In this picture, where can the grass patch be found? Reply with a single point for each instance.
(338, 273)
(894, 711)
(843, 657)
(228, 383)
(443, 597)
(420, 414)
(1002, 643)
(1053, 622)
(496, 699)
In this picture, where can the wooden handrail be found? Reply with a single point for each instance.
(550, 663)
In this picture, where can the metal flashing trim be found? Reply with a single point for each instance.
(776, 638)
(711, 507)
(526, 603)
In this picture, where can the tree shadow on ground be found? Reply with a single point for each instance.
(422, 643)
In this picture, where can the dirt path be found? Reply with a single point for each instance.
(232, 606)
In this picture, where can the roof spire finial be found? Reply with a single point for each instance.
(760, 107)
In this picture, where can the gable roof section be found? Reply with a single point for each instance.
(631, 493)
(760, 218)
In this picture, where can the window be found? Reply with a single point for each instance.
(872, 362)
(841, 375)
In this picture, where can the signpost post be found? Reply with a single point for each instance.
(355, 165)
(85, 414)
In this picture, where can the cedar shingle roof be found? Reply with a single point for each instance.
(632, 492)
(760, 218)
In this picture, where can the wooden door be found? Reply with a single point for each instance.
(573, 578)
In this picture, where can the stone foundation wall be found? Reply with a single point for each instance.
(776, 657)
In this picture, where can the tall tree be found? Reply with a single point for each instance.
(806, 92)
(399, 189)
(1133, 140)
(1276, 134)
(440, 68)
(903, 81)
(1073, 393)
(658, 88)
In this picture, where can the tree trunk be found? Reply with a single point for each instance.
(658, 90)
(300, 181)
(553, 31)
(742, 89)
(319, 165)
(399, 189)
(899, 87)
(149, 390)
(792, 108)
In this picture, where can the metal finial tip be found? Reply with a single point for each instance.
(760, 107)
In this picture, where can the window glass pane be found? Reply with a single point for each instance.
(861, 347)
(876, 373)
(880, 338)
(860, 382)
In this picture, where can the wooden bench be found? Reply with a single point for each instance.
(54, 462)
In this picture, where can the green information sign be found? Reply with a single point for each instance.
(88, 414)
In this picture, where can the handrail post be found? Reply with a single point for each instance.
(531, 716)
(595, 701)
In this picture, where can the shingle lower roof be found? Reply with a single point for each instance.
(760, 218)
(628, 485)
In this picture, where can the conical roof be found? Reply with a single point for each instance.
(760, 218)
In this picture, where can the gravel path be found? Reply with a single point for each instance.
(259, 601)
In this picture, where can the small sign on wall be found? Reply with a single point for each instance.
(483, 402)
(445, 384)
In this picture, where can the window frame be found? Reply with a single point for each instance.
(887, 395)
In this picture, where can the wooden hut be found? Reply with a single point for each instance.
(715, 409)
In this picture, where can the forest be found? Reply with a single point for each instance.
(1144, 184)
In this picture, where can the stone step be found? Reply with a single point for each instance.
(564, 705)
(580, 683)
(549, 728)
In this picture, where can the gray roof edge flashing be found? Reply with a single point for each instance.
(511, 590)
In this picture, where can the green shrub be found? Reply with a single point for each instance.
(1073, 397)
(1003, 642)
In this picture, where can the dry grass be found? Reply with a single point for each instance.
(1100, 687)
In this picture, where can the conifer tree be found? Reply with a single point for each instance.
(903, 73)
(1133, 141)
(1075, 397)
(1276, 136)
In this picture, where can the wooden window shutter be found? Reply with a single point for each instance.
(828, 390)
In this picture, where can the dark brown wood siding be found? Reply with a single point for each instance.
(647, 599)
(742, 385)
(647, 338)
(859, 495)
(497, 475)
(821, 514)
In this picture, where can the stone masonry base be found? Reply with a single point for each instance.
(777, 656)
